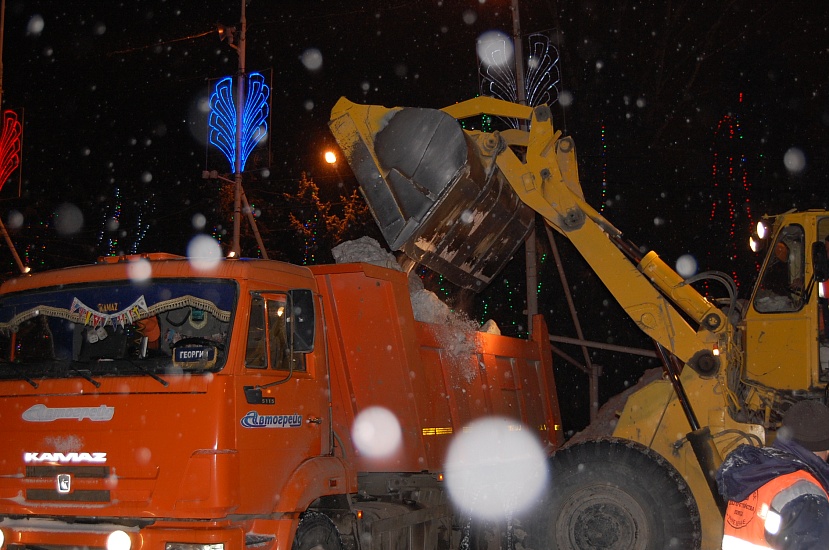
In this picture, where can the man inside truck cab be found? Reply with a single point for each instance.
(777, 495)
(781, 286)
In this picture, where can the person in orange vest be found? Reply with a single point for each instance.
(777, 495)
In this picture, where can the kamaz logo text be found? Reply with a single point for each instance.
(64, 458)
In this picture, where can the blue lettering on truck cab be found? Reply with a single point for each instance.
(255, 420)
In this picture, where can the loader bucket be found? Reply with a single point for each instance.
(433, 195)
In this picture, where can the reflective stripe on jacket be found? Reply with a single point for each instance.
(747, 522)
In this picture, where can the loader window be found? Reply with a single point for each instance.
(822, 247)
(270, 337)
(781, 286)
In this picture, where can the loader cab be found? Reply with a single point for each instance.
(786, 342)
(781, 284)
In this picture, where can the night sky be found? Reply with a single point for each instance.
(113, 96)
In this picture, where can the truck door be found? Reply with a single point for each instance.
(283, 405)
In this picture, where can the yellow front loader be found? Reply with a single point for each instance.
(461, 202)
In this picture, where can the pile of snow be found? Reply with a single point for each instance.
(366, 250)
(608, 415)
(427, 307)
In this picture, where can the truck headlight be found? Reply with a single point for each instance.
(119, 540)
(2, 538)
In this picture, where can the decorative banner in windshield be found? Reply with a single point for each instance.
(127, 316)
(118, 328)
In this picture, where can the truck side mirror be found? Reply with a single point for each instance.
(820, 262)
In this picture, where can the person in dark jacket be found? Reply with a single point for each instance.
(777, 495)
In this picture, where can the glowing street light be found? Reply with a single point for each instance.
(330, 157)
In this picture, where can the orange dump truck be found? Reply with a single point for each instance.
(147, 403)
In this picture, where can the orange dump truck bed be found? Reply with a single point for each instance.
(434, 379)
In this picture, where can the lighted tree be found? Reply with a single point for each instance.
(730, 208)
(322, 224)
(114, 236)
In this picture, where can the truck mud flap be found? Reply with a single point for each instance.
(432, 195)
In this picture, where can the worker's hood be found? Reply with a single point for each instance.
(749, 468)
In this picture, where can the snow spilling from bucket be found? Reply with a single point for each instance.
(454, 331)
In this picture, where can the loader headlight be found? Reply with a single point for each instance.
(762, 229)
(2, 538)
(757, 241)
(119, 540)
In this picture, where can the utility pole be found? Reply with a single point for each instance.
(530, 249)
(236, 249)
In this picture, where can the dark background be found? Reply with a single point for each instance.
(666, 98)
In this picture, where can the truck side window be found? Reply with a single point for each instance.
(280, 353)
(269, 334)
(255, 356)
(781, 284)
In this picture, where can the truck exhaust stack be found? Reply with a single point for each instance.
(419, 176)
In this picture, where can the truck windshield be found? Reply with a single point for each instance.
(168, 326)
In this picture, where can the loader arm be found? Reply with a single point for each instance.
(400, 147)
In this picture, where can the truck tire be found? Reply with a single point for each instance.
(615, 494)
(315, 531)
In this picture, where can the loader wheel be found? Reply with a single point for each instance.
(316, 532)
(615, 494)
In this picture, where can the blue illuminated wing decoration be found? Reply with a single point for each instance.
(222, 120)
(543, 75)
(541, 80)
(255, 117)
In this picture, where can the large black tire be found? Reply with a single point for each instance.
(316, 532)
(614, 494)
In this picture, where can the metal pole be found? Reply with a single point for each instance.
(593, 371)
(530, 248)
(240, 109)
(254, 226)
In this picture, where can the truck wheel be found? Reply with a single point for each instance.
(615, 494)
(316, 532)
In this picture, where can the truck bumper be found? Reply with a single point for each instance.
(21, 534)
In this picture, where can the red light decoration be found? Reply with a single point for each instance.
(9, 146)
(730, 204)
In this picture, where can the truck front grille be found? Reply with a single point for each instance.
(50, 474)
(40, 495)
